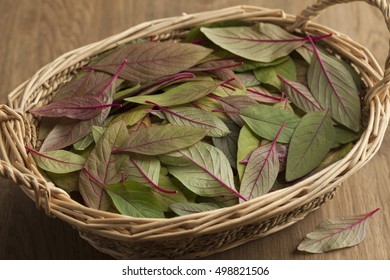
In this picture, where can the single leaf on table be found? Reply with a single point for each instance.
(265, 121)
(157, 140)
(269, 75)
(57, 161)
(188, 116)
(263, 42)
(134, 115)
(300, 95)
(261, 171)
(210, 173)
(334, 88)
(187, 208)
(337, 233)
(135, 200)
(79, 108)
(233, 104)
(182, 94)
(311, 141)
(152, 60)
(228, 143)
(247, 142)
(102, 167)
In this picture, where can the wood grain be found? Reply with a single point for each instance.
(34, 32)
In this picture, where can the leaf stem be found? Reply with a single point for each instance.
(51, 158)
(263, 94)
(114, 77)
(149, 180)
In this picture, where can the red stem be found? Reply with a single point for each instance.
(150, 181)
(51, 158)
(114, 77)
(263, 94)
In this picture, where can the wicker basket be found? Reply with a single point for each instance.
(202, 234)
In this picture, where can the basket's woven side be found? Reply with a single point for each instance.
(203, 245)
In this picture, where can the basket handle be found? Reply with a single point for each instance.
(314, 11)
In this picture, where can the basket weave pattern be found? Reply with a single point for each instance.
(206, 233)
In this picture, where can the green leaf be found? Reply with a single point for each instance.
(188, 116)
(263, 42)
(210, 104)
(182, 94)
(311, 141)
(265, 121)
(69, 182)
(344, 136)
(151, 60)
(248, 79)
(249, 65)
(300, 95)
(188, 208)
(103, 167)
(164, 200)
(157, 140)
(135, 200)
(247, 143)
(335, 155)
(261, 172)
(262, 95)
(58, 161)
(337, 233)
(97, 132)
(83, 143)
(334, 88)
(144, 170)
(269, 75)
(210, 173)
(229, 90)
(134, 115)
(228, 143)
(234, 104)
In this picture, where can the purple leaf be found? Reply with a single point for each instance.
(300, 95)
(215, 65)
(163, 139)
(337, 233)
(233, 104)
(152, 60)
(79, 108)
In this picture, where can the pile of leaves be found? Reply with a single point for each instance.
(235, 111)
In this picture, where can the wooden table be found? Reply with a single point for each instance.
(34, 32)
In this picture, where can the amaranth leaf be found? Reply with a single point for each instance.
(103, 167)
(337, 233)
(156, 140)
(311, 141)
